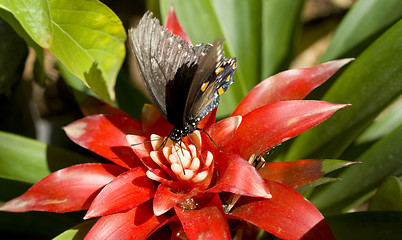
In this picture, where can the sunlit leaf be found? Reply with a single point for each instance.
(85, 35)
(34, 17)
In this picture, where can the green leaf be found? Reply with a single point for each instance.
(72, 80)
(242, 32)
(34, 17)
(328, 165)
(89, 40)
(86, 36)
(305, 189)
(280, 21)
(367, 225)
(387, 122)
(26, 160)
(363, 23)
(388, 197)
(77, 232)
(370, 84)
(383, 159)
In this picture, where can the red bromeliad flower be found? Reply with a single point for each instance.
(186, 187)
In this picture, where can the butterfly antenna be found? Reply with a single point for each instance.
(198, 150)
(135, 144)
(163, 143)
(211, 139)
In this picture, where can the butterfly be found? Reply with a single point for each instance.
(184, 82)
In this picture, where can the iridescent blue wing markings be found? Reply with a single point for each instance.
(184, 82)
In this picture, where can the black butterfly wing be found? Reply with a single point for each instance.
(178, 89)
(212, 78)
(159, 55)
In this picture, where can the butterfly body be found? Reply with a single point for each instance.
(184, 82)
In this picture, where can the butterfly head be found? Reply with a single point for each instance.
(189, 127)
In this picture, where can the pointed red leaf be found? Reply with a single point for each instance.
(293, 84)
(137, 224)
(293, 174)
(222, 131)
(173, 25)
(237, 176)
(206, 222)
(298, 173)
(106, 136)
(142, 148)
(69, 189)
(164, 199)
(265, 127)
(127, 191)
(287, 214)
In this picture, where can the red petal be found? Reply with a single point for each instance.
(106, 136)
(127, 191)
(142, 148)
(222, 131)
(165, 199)
(208, 222)
(237, 176)
(287, 214)
(69, 189)
(293, 84)
(153, 122)
(265, 127)
(172, 23)
(293, 174)
(137, 223)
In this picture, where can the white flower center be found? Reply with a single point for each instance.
(185, 160)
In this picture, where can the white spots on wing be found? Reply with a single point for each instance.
(170, 39)
(179, 46)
